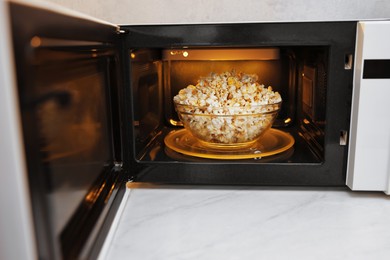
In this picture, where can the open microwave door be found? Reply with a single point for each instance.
(369, 150)
(68, 80)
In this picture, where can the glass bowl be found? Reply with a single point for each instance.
(228, 127)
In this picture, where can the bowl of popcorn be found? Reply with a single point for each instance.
(228, 110)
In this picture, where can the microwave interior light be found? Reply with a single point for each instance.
(35, 42)
(222, 54)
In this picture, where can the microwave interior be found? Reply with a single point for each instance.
(298, 73)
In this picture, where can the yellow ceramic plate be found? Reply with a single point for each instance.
(272, 142)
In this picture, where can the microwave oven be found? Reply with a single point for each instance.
(87, 106)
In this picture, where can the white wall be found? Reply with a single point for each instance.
(210, 11)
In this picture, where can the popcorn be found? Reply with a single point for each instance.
(227, 108)
(227, 89)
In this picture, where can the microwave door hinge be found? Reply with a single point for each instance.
(118, 166)
(119, 30)
(343, 137)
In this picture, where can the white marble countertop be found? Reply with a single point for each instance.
(192, 222)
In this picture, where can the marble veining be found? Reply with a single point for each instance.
(192, 222)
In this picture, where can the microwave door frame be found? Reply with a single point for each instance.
(60, 36)
(337, 37)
